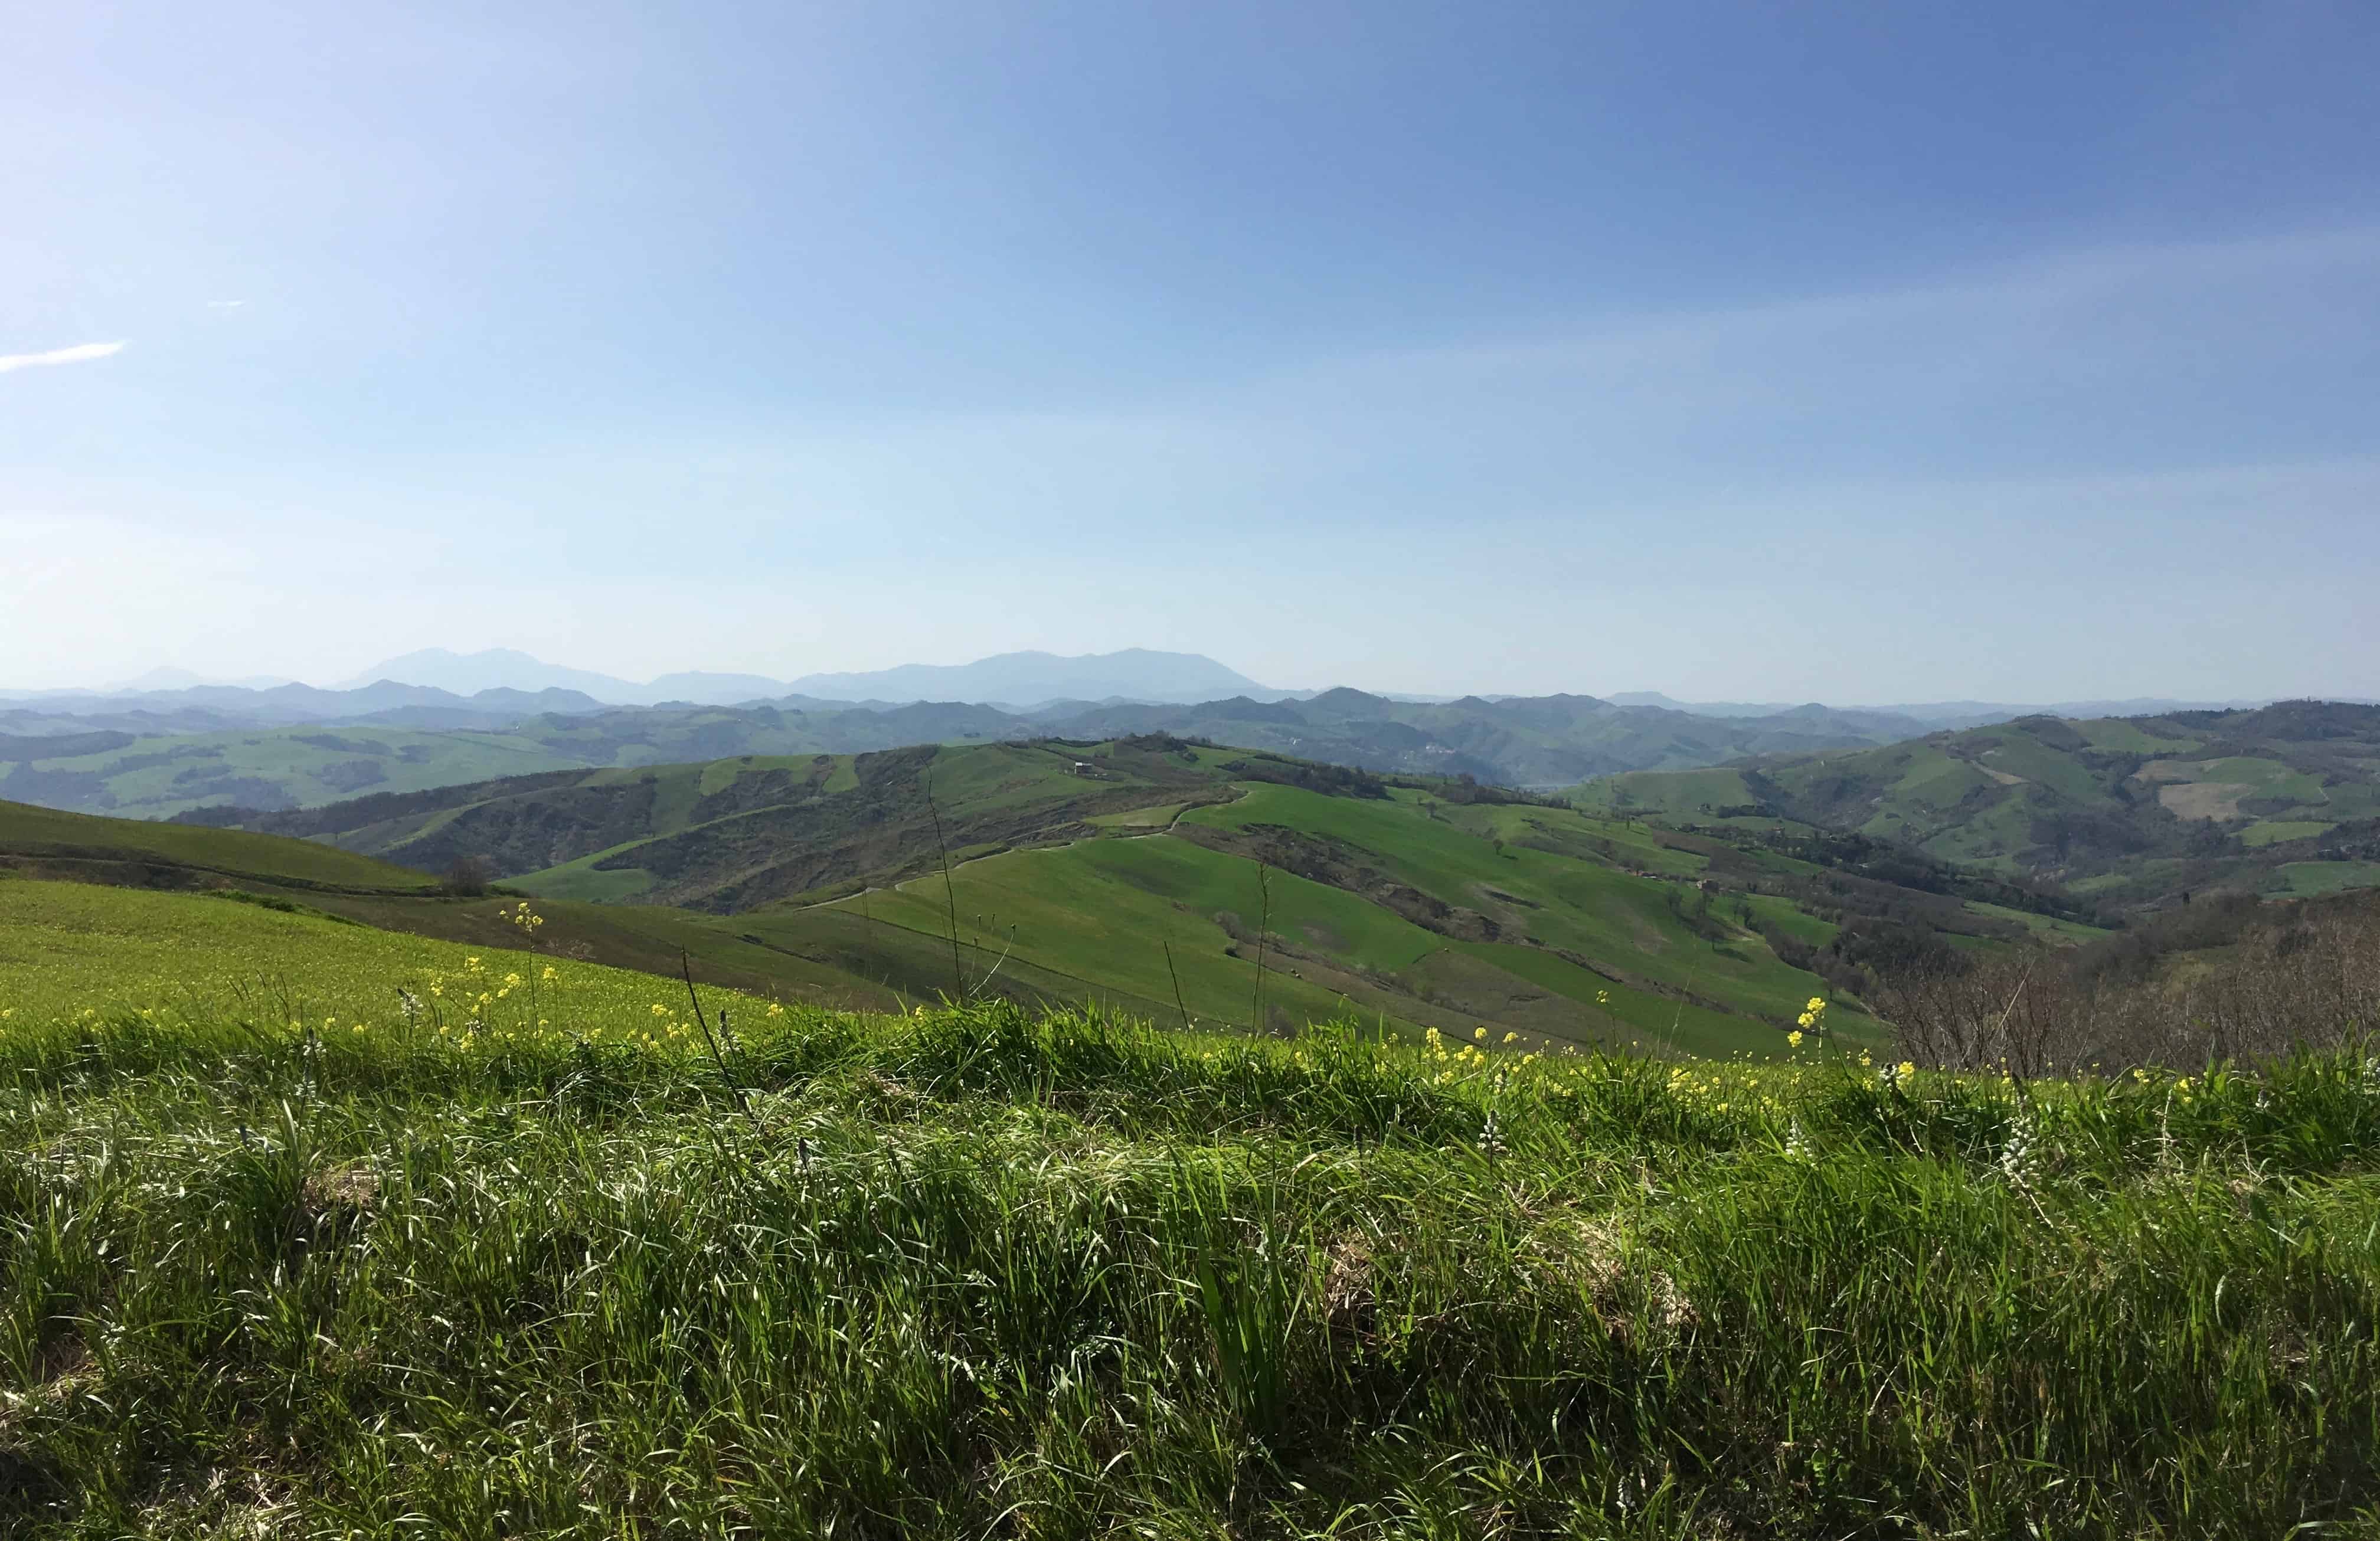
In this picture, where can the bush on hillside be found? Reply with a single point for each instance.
(468, 876)
(2287, 978)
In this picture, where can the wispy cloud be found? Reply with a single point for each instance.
(225, 304)
(78, 354)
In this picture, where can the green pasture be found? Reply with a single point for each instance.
(2272, 831)
(2046, 925)
(1104, 911)
(2327, 877)
(26, 830)
(1588, 908)
(68, 948)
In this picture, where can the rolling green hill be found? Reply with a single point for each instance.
(2284, 798)
(732, 834)
(50, 842)
(1151, 873)
(309, 879)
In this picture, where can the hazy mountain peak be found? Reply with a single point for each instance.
(1132, 673)
(496, 669)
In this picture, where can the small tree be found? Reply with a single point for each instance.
(469, 875)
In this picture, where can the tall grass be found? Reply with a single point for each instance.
(976, 1272)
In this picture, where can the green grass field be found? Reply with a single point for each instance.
(1585, 908)
(1092, 922)
(990, 1272)
(2272, 831)
(72, 949)
(2048, 927)
(63, 838)
(2327, 877)
(1104, 911)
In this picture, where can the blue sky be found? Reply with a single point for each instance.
(2016, 351)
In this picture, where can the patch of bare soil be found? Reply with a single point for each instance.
(2203, 799)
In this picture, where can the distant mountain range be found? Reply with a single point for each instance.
(293, 747)
(1045, 687)
(1023, 679)
(1933, 716)
(157, 752)
(1017, 680)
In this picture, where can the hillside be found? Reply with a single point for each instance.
(1546, 741)
(50, 843)
(498, 1243)
(2282, 799)
(413, 745)
(1153, 873)
(278, 876)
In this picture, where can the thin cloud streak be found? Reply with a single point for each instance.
(80, 353)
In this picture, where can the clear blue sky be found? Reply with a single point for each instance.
(2027, 351)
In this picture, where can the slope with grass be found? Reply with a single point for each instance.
(294, 884)
(1516, 914)
(1528, 919)
(735, 833)
(1159, 876)
(177, 855)
(977, 1271)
